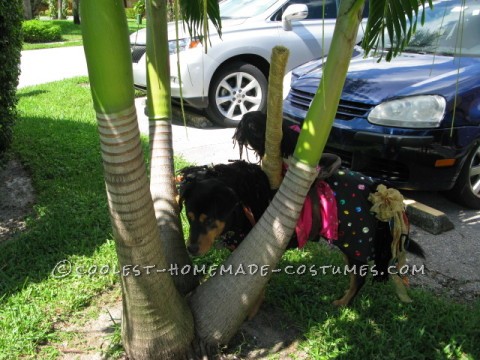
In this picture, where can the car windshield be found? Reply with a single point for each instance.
(449, 29)
(235, 9)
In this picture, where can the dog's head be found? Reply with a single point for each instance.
(250, 132)
(209, 204)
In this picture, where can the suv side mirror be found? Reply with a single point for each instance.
(293, 12)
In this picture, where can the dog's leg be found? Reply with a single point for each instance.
(256, 306)
(357, 280)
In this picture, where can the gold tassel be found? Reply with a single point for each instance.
(388, 205)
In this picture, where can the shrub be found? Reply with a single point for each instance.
(36, 31)
(11, 15)
(130, 13)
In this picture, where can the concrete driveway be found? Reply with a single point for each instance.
(452, 256)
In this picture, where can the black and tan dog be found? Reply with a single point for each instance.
(224, 201)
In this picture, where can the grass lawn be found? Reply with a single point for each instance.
(56, 139)
(72, 34)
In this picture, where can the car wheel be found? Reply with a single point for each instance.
(235, 90)
(466, 190)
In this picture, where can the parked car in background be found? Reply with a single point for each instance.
(231, 78)
(414, 121)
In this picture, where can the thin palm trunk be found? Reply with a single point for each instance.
(272, 162)
(162, 172)
(319, 119)
(157, 323)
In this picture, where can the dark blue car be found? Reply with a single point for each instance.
(415, 121)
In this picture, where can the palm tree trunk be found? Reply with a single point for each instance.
(76, 11)
(272, 161)
(162, 172)
(27, 10)
(221, 304)
(319, 119)
(157, 323)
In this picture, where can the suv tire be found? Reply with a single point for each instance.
(236, 89)
(464, 192)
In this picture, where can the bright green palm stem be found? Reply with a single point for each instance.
(162, 173)
(272, 161)
(156, 323)
(318, 122)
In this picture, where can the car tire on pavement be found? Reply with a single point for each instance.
(236, 88)
(466, 190)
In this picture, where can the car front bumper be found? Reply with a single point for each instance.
(194, 69)
(415, 160)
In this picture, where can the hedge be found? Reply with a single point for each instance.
(11, 16)
(36, 31)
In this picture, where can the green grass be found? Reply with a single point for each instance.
(72, 34)
(56, 139)
(377, 326)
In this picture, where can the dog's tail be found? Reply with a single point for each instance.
(414, 248)
(383, 252)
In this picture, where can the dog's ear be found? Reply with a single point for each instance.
(251, 131)
(225, 200)
(184, 189)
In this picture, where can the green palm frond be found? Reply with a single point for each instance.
(392, 22)
(196, 14)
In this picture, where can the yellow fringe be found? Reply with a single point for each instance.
(388, 205)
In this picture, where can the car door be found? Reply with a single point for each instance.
(305, 39)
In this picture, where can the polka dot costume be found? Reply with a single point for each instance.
(356, 224)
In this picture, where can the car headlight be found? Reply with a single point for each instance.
(183, 44)
(425, 111)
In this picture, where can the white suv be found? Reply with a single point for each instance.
(231, 78)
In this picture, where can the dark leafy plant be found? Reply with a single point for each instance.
(11, 16)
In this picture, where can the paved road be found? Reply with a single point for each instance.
(452, 257)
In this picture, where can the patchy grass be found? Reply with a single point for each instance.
(56, 139)
(72, 34)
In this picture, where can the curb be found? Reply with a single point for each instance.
(427, 218)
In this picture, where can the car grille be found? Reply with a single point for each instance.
(137, 52)
(347, 110)
(375, 167)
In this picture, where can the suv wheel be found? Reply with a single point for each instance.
(236, 89)
(467, 187)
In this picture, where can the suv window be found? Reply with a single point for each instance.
(315, 9)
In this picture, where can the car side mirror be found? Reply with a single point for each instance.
(293, 12)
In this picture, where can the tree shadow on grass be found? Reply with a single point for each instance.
(70, 217)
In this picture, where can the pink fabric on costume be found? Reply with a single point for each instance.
(328, 215)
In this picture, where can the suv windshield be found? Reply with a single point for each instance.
(234, 9)
(449, 29)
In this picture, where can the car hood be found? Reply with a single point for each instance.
(140, 37)
(373, 82)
